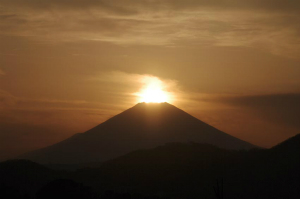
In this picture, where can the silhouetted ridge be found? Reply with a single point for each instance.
(173, 170)
(289, 149)
(23, 177)
(22, 166)
(145, 125)
(191, 170)
(292, 144)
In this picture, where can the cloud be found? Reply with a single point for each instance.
(270, 25)
(124, 77)
(133, 83)
(276, 108)
(48, 111)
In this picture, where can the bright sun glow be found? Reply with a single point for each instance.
(153, 91)
(153, 94)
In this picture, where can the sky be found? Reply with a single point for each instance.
(68, 65)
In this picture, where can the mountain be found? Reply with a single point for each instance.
(146, 125)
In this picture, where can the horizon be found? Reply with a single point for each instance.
(67, 66)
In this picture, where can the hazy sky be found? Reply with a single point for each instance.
(68, 65)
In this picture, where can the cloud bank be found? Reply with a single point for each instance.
(277, 108)
(271, 25)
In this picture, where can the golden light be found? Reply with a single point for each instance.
(153, 91)
(153, 94)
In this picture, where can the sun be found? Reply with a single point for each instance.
(153, 91)
(152, 94)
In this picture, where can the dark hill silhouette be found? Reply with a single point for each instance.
(140, 127)
(192, 170)
(174, 170)
(287, 154)
(23, 177)
(291, 144)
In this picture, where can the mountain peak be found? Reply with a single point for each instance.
(143, 126)
(152, 105)
(147, 116)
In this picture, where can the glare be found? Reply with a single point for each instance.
(153, 91)
(153, 95)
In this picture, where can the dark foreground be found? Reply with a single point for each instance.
(171, 171)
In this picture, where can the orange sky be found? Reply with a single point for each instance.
(66, 66)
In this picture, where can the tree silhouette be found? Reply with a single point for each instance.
(219, 190)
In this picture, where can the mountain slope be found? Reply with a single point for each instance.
(140, 127)
(289, 145)
(288, 153)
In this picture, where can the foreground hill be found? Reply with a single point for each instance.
(174, 170)
(195, 171)
(22, 178)
(289, 145)
(140, 127)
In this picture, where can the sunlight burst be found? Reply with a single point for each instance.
(153, 95)
(153, 92)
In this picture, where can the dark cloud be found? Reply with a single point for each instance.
(277, 108)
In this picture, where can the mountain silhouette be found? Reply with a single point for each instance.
(145, 125)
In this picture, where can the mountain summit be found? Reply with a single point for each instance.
(145, 125)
